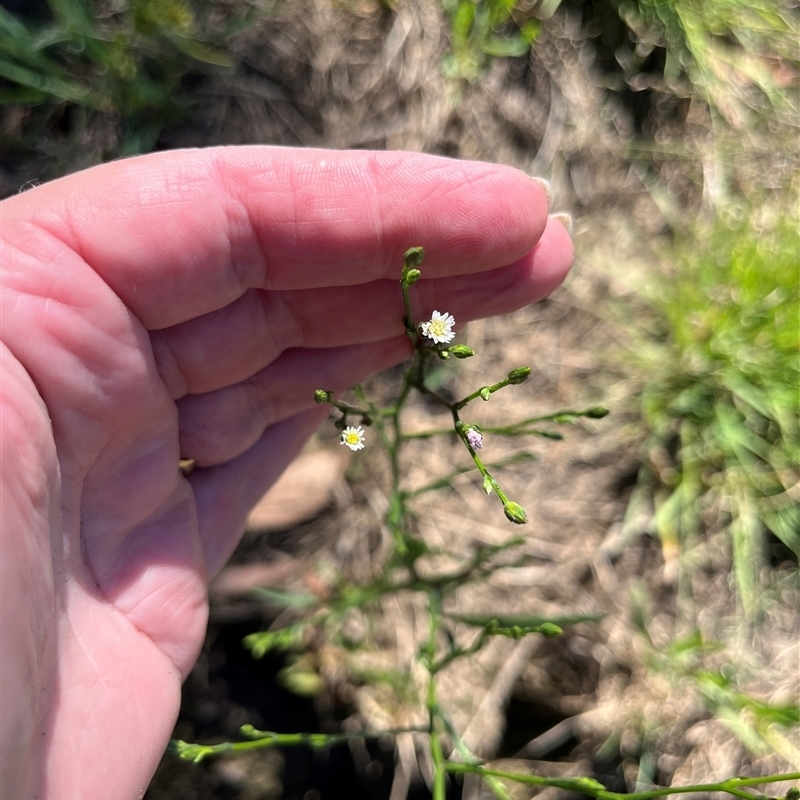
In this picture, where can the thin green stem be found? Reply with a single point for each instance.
(439, 765)
(483, 393)
(458, 652)
(346, 409)
(429, 658)
(261, 739)
(391, 444)
(496, 787)
(408, 320)
(429, 434)
(592, 788)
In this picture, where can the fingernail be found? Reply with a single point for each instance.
(565, 220)
(548, 189)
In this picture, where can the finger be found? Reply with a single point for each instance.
(184, 233)
(225, 494)
(232, 344)
(220, 426)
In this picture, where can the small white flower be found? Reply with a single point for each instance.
(353, 437)
(439, 328)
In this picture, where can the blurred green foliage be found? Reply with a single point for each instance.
(722, 392)
(761, 726)
(481, 30)
(734, 53)
(126, 59)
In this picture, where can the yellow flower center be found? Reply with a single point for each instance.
(352, 438)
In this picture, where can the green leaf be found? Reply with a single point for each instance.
(75, 15)
(785, 524)
(303, 683)
(200, 51)
(60, 88)
(262, 642)
(498, 47)
(278, 597)
(462, 21)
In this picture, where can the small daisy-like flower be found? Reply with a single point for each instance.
(475, 438)
(439, 328)
(353, 437)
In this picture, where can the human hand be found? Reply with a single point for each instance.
(189, 303)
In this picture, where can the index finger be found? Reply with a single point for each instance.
(182, 233)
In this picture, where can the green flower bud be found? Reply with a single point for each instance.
(515, 512)
(486, 393)
(488, 485)
(461, 351)
(550, 629)
(304, 683)
(413, 257)
(598, 412)
(518, 375)
(412, 276)
(589, 783)
(321, 396)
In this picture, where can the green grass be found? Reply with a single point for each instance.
(732, 51)
(130, 63)
(722, 397)
(481, 30)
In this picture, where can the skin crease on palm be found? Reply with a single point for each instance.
(188, 304)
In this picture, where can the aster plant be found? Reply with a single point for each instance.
(431, 341)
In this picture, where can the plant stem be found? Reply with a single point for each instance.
(316, 741)
(429, 657)
(593, 788)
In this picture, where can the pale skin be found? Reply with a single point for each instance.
(188, 304)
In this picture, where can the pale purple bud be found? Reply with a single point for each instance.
(475, 438)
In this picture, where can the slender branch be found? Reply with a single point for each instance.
(593, 788)
(261, 739)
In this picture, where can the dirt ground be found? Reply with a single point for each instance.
(589, 702)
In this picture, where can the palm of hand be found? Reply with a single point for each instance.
(190, 304)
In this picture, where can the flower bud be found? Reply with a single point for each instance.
(550, 629)
(487, 485)
(518, 375)
(486, 393)
(461, 351)
(321, 396)
(515, 512)
(474, 438)
(598, 412)
(413, 257)
(412, 276)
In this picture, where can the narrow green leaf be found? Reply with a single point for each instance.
(47, 84)
(278, 597)
(498, 47)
